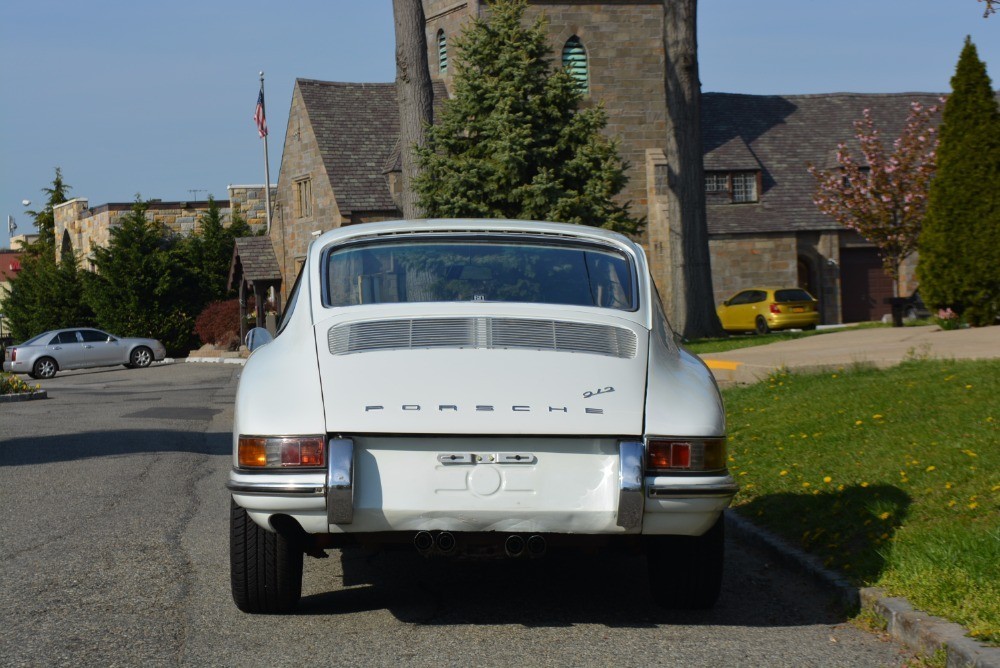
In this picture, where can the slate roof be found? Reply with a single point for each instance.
(357, 127)
(255, 255)
(783, 134)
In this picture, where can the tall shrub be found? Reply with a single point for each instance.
(959, 246)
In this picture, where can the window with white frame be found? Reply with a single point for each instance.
(744, 187)
(735, 187)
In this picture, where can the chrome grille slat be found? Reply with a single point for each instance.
(482, 332)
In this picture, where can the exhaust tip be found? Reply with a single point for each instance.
(423, 541)
(446, 542)
(536, 546)
(514, 546)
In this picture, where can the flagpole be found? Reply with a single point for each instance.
(267, 169)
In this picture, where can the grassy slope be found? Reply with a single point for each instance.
(892, 477)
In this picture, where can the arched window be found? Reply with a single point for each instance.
(574, 58)
(442, 53)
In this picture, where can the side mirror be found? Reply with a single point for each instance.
(257, 337)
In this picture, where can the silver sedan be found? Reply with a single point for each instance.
(79, 348)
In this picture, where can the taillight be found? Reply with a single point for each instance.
(775, 309)
(282, 452)
(13, 354)
(685, 454)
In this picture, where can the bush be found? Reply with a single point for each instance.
(219, 324)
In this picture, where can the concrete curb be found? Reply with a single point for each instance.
(917, 630)
(24, 396)
(216, 360)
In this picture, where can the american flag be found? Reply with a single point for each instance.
(258, 115)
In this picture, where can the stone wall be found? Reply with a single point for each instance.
(300, 159)
(85, 228)
(740, 262)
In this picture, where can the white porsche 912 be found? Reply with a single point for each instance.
(477, 389)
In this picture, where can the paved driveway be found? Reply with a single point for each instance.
(881, 346)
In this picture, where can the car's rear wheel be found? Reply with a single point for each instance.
(762, 327)
(265, 568)
(141, 357)
(45, 367)
(685, 572)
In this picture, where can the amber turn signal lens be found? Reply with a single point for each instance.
(253, 452)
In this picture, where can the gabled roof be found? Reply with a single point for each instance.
(784, 134)
(254, 260)
(356, 126)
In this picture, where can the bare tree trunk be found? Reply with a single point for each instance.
(413, 91)
(690, 302)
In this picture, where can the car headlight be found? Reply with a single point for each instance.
(281, 452)
(676, 454)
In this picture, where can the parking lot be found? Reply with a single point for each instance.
(115, 552)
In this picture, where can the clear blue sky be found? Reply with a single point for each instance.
(157, 98)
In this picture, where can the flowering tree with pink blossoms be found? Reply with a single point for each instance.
(882, 195)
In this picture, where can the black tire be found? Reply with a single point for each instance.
(685, 572)
(809, 328)
(265, 569)
(762, 327)
(44, 367)
(140, 358)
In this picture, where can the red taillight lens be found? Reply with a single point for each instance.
(775, 309)
(686, 455)
(283, 452)
(13, 354)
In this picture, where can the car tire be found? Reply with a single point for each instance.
(762, 327)
(265, 568)
(809, 328)
(685, 572)
(140, 358)
(44, 367)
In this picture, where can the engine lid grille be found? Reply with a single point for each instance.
(482, 332)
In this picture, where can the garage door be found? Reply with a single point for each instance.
(864, 285)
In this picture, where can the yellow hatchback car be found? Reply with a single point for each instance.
(764, 309)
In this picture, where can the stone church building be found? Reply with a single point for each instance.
(340, 162)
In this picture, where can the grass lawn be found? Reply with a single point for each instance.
(891, 477)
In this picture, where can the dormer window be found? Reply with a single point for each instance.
(574, 58)
(735, 187)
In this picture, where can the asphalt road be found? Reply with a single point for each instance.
(114, 552)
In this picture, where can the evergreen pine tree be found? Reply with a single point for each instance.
(959, 265)
(46, 294)
(210, 250)
(144, 285)
(512, 142)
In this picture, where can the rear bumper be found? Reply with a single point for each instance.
(624, 502)
(792, 320)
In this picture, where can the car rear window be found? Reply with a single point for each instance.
(792, 295)
(484, 269)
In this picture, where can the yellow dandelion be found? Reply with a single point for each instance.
(833, 376)
(864, 484)
(884, 516)
(951, 504)
(827, 479)
(968, 387)
(783, 473)
(858, 422)
(743, 472)
(973, 505)
(930, 468)
(806, 484)
(877, 416)
(948, 485)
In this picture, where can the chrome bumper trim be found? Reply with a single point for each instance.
(340, 481)
(694, 491)
(297, 488)
(630, 481)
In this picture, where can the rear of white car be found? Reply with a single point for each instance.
(476, 389)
